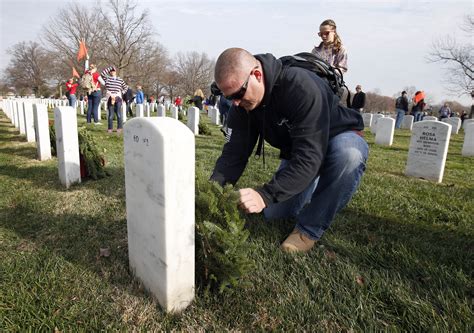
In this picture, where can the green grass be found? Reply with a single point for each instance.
(399, 257)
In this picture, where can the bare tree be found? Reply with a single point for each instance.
(72, 24)
(27, 68)
(459, 58)
(126, 34)
(150, 69)
(195, 71)
(375, 102)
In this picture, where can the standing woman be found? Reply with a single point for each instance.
(93, 94)
(198, 98)
(331, 48)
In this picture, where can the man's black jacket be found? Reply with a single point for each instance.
(298, 115)
(358, 102)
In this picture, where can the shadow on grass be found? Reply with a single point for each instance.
(23, 151)
(376, 240)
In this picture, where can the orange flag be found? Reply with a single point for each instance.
(75, 73)
(82, 50)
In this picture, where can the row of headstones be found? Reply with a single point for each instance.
(429, 142)
(159, 159)
(384, 128)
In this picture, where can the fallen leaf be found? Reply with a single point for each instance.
(104, 252)
(331, 255)
(360, 280)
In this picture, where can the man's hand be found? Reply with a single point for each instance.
(251, 201)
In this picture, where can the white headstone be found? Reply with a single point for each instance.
(29, 122)
(367, 117)
(215, 116)
(139, 111)
(81, 104)
(384, 133)
(43, 144)
(124, 112)
(160, 111)
(15, 114)
(407, 122)
(455, 122)
(159, 185)
(375, 118)
(428, 150)
(468, 145)
(174, 112)
(466, 122)
(99, 112)
(193, 119)
(21, 117)
(147, 109)
(430, 118)
(67, 145)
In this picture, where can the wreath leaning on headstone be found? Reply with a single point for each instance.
(222, 247)
(91, 159)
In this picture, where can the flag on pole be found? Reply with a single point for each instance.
(82, 50)
(75, 73)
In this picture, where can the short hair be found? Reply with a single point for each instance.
(404, 92)
(232, 62)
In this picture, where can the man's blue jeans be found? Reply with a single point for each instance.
(93, 103)
(339, 177)
(400, 116)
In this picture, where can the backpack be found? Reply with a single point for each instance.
(331, 75)
(87, 83)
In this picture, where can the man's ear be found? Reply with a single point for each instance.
(258, 74)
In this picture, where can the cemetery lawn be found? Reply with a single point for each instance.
(399, 257)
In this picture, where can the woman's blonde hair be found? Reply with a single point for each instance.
(337, 40)
(198, 92)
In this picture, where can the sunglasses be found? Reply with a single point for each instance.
(324, 33)
(243, 89)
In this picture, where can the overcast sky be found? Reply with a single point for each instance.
(387, 40)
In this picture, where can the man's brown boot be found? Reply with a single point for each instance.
(297, 242)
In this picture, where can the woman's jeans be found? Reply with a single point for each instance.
(339, 177)
(72, 100)
(115, 108)
(418, 116)
(93, 103)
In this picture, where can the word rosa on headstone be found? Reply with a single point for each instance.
(428, 150)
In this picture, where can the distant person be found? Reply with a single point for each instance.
(444, 111)
(401, 107)
(139, 97)
(198, 98)
(418, 105)
(128, 98)
(116, 88)
(358, 102)
(178, 102)
(71, 89)
(91, 81)
(331, 48)
(463, 116)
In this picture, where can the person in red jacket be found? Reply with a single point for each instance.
(178, 102)
(71, 89)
